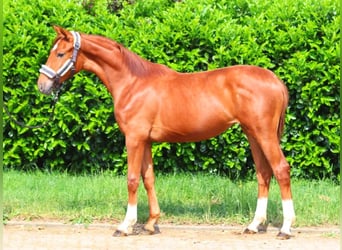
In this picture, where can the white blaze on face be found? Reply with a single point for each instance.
(55, 46)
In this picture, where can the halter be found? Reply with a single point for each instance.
(68, 65)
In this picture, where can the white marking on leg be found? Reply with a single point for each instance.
(260, 214)
(289, 216)
(130, 219)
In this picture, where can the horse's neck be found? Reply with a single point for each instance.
(115, 65)
(102, 58)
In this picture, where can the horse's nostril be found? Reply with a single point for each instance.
(40, 87)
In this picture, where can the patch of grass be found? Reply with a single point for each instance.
(183, 198)
(63, 196)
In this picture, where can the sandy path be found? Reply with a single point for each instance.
(28, 236)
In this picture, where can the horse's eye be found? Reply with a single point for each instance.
(60, 55)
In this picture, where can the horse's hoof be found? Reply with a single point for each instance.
(119, 233)
(262, 228)
(248, 231)
(150, 231)
(146, 232)
(283, 236)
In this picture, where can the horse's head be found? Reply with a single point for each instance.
(61, 64)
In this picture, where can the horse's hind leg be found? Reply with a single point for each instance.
(281, 170)
(264, 175)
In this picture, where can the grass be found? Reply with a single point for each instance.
(183, 198)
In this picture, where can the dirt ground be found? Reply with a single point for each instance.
(45, 235)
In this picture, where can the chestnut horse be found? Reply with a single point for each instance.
(154, 103)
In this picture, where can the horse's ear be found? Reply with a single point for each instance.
(58, 29)
(61, 32)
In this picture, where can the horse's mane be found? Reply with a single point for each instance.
(137, 65)
(141, 66)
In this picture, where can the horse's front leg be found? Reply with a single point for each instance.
(135, 155)
(148, 178)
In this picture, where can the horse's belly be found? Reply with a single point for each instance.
(189, 132)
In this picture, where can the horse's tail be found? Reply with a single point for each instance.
(283, 111)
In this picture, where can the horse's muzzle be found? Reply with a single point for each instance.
(45, 85)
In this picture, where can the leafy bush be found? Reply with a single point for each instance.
(297, 40)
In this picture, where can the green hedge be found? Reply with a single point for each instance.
(298, 40)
